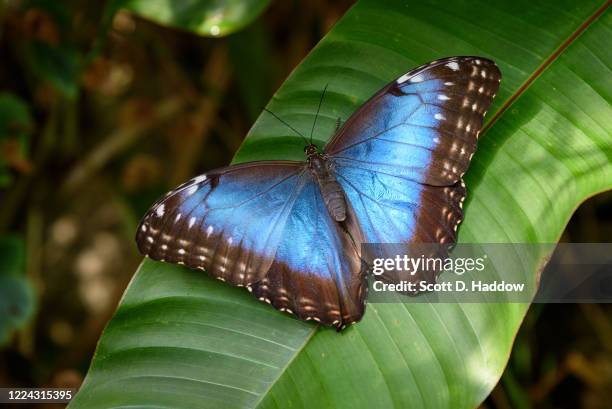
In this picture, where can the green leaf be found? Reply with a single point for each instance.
(181, 340)
(212, 18)
(16, 293)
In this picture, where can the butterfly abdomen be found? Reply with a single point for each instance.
(331, 190)
(333, 195)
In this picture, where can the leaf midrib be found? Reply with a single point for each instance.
(545, 64)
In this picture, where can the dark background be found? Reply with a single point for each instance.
(120, 116)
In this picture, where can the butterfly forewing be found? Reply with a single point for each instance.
(423, 126)
(228, 222)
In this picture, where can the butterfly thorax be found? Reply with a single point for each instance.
(331, 190)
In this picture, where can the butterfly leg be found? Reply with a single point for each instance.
(338, 124)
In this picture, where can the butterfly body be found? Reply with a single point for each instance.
(291, 232)
(333, 194)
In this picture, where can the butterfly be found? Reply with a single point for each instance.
(291, 231)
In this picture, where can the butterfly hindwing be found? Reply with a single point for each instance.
(317, 273)
(394, 210)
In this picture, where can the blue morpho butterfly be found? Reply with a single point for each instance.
(291, 232)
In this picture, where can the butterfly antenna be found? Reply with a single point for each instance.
(317, 114)
(286, 124)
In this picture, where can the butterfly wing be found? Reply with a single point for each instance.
(317, 273)
(401, 156)
(392, 209)
(228, 222)
(424, 126)
(263, 225)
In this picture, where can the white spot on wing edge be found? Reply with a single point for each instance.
(199, 179)
(413, 79)
(439, 117)
(192, 222)
(209, 231)
(443, 97)
(453, 65)
(160, 210)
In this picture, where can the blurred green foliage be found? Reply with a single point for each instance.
(15, 130)
(51, 55)
(211, 18)
(16, 293)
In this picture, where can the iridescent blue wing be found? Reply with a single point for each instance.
(228, 222)
(424, 126)
(401, 156)
(331, 284)
(262, 225)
